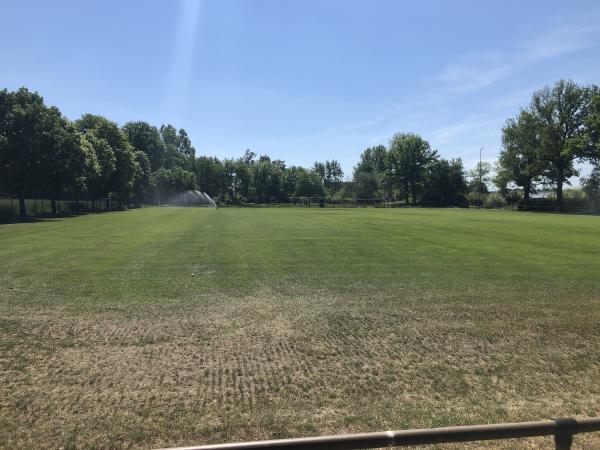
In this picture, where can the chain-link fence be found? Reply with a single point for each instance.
(36, 207)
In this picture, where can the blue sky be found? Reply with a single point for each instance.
(302, 80)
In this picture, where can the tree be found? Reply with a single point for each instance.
(146, 138)
(179, 149)
(308, 183)
(519, 161)
(480, 177)
(591, 184)
(184, 144)
(122, 178)
(561, 112)
(267, 177)
(409, 156)
(40, 150)
(333, 174)
(446, 184)
(590, 141)
(211, 176)
(366, 185)
(22, 126)
(141, 183)
(373, 160)
(70, 161)
(319, 169)
(99, 183)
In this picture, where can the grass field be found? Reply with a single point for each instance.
(163, 327)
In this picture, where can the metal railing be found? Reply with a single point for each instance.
(563, 431)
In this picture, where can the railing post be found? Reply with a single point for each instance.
(566, 428)
(563, 441)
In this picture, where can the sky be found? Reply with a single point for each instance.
(302, 80)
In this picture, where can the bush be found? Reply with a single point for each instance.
(513, 196)
(494, 200)
(396, 204)
(474, 198)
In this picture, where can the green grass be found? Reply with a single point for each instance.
(163, 327)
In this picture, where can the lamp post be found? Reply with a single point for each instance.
(480, 176)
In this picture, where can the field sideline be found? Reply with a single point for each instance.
(173, 326)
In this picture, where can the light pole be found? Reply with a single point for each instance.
(480, 176)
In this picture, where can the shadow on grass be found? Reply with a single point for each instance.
(49, 217)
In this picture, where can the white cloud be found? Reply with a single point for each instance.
(483, 69)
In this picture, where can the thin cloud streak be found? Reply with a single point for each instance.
(483, 69)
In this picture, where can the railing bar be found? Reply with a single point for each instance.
(423, 436)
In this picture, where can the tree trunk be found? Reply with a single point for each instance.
(526, 192)
(22, 209)
(560, 204)
(413, 193)
(53, 206)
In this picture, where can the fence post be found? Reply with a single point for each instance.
(566, 428)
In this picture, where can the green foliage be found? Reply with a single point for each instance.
(120, 182)
(445, 184)
(409, 157)
(41, 152)
(561, 112)
(591, 184)
(520, 162)
(167, 182)
(308, 184)
(146, 138)
(480, 177)
(211, 176)
(372, 160)
(494, 200)
(367, 184)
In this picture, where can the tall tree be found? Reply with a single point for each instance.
(179, 149)
(99, 184)
(41, 153)
(267, 176)
(70, 162)
(480, 177)
(561, 112)
(22, 127)
(211, 176)
(123, 177)
(308, 183)
(146, 138)
(590, 140)
(372, 160)
(184, 144)
(141, 183)
(333, 174)
(446, 184)
(409, 156)
(519, 161)
(591, 184)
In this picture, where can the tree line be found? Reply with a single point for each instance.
(44, 154)
(540, 149)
